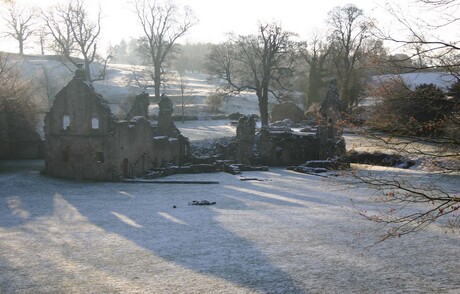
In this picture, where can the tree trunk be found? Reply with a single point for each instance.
(263, 107)
(157, 81)
(21, 47)
(314, 81)
(87, 70)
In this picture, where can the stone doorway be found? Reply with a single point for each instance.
(125, 168)
(78, 162)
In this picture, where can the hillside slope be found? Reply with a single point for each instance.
(48, 74)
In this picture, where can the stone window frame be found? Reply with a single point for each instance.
(99, 156)
(66, 122)
(95, 123)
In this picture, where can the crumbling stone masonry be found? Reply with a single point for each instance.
(140, 106)
(83, 140)
(166, 126)
(331, 143)
(245, 136)
(281, 147)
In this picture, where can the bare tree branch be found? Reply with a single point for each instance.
(20, 23)
(257, 62)
(163, 24)
(350, 32)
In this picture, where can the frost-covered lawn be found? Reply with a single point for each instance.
(291, 233)
(200, 130)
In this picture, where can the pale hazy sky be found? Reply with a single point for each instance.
(216, 17)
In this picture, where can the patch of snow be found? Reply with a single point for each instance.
(200, 130)
(442, 80)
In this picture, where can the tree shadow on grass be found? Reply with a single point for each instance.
(188, 236)
(192, 236)
(113, 237)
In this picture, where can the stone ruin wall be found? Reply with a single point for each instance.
(286, 148)
(83, 140)
(278, 147)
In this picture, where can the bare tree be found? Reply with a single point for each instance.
(76, 35)
(85, 33)
(261, 63)
(413, 202)
(183, 85)
(48, 82)
(42, 35)
(20, 24)
(57, 21)
(350, 30)
(163, 23)
(141, 78)
(316, 53)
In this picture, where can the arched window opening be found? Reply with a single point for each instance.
(95, 123)
(65, 122)
(100, 157)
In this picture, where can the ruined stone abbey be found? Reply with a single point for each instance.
(84, 140)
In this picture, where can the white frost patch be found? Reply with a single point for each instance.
(266, 195)
(16, 207)
(126, 220)
(200, 130)
(440, 79)
(126, 194)
(171, 218)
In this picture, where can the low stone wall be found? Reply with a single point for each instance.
(286, 148)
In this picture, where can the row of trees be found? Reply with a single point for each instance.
(270, 61)
(69, 30)
(267, 62)
(72, 31)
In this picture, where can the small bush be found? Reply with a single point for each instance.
(214, 102)
(287, 110)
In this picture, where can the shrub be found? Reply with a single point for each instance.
(18, 110)
(287, 110)
(454, 90)
(453, 122)
(214, 102)
(419, 112)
